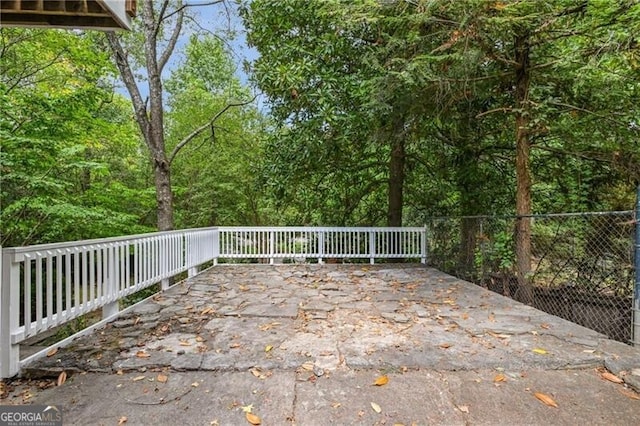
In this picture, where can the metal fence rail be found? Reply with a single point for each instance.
(582, 265)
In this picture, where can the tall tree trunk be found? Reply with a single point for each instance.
(523, 170)
(150, 115)
(396, 173)
(164, 195)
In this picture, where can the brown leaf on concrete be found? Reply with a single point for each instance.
(62, 378)
(500, 378)
(376, 407)
(52, 351)
(142, 354)
(122, 420)
(611, 377)
(629, 393)
(546, 399)
(463, 408)
(381, 381)
(253, 419)
(162, 378)
(445, 345)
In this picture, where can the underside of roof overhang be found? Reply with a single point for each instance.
(103, 15)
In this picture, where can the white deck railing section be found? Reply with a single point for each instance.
(48, 285)
(321, 243)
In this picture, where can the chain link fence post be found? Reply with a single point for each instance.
(636, 289)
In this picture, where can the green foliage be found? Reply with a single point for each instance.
(214, 175)
(70, 162)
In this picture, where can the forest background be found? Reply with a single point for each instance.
(368, 113)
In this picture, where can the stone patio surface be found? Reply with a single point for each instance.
(305, 345)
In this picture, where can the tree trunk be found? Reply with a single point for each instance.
(396, 173)
(164, 195)
(523, 170)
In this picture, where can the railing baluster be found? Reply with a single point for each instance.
(27, 294)
(49, 289)
(39, 304)
(59, 292)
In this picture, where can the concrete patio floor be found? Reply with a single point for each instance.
(304, 344)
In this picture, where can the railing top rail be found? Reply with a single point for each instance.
(68, 244)
(321, 228)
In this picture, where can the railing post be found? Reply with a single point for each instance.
(190, 244)
(272, 244)
(111, 308)
(320, 246)
(216, 245)
(163, 261)
(372, 247)
(423, 245)
(9, 313)
(636, 290)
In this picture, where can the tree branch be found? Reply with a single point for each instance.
(129, 80)
(491, 111)
(164, 58)
(577, 108)
(184, 6)
(191, 136)
(163, 9)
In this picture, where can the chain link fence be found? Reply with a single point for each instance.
(582, 265)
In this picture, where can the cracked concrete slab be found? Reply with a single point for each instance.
(434, 335)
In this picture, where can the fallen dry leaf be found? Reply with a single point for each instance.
(336, 404)
(611, 377)
(308, 365)
(546, 399)
(629, 393)
(52, 351)
(268, 348)
(62, 378)
(463, 408)
(540, 351)
(445, 345)
(247, 408)
(545, 326)
(142, 354)
(195, 384)
(253, 419)
(162, 378)
(122, 420)
(500, 378)
(376, 407)
(137, 379)
(199, 339)
(183, 343)
(234, 345)
(381, 381)
(207, 310)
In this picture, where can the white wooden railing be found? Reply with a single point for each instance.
(320, 243)
(47, 285)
